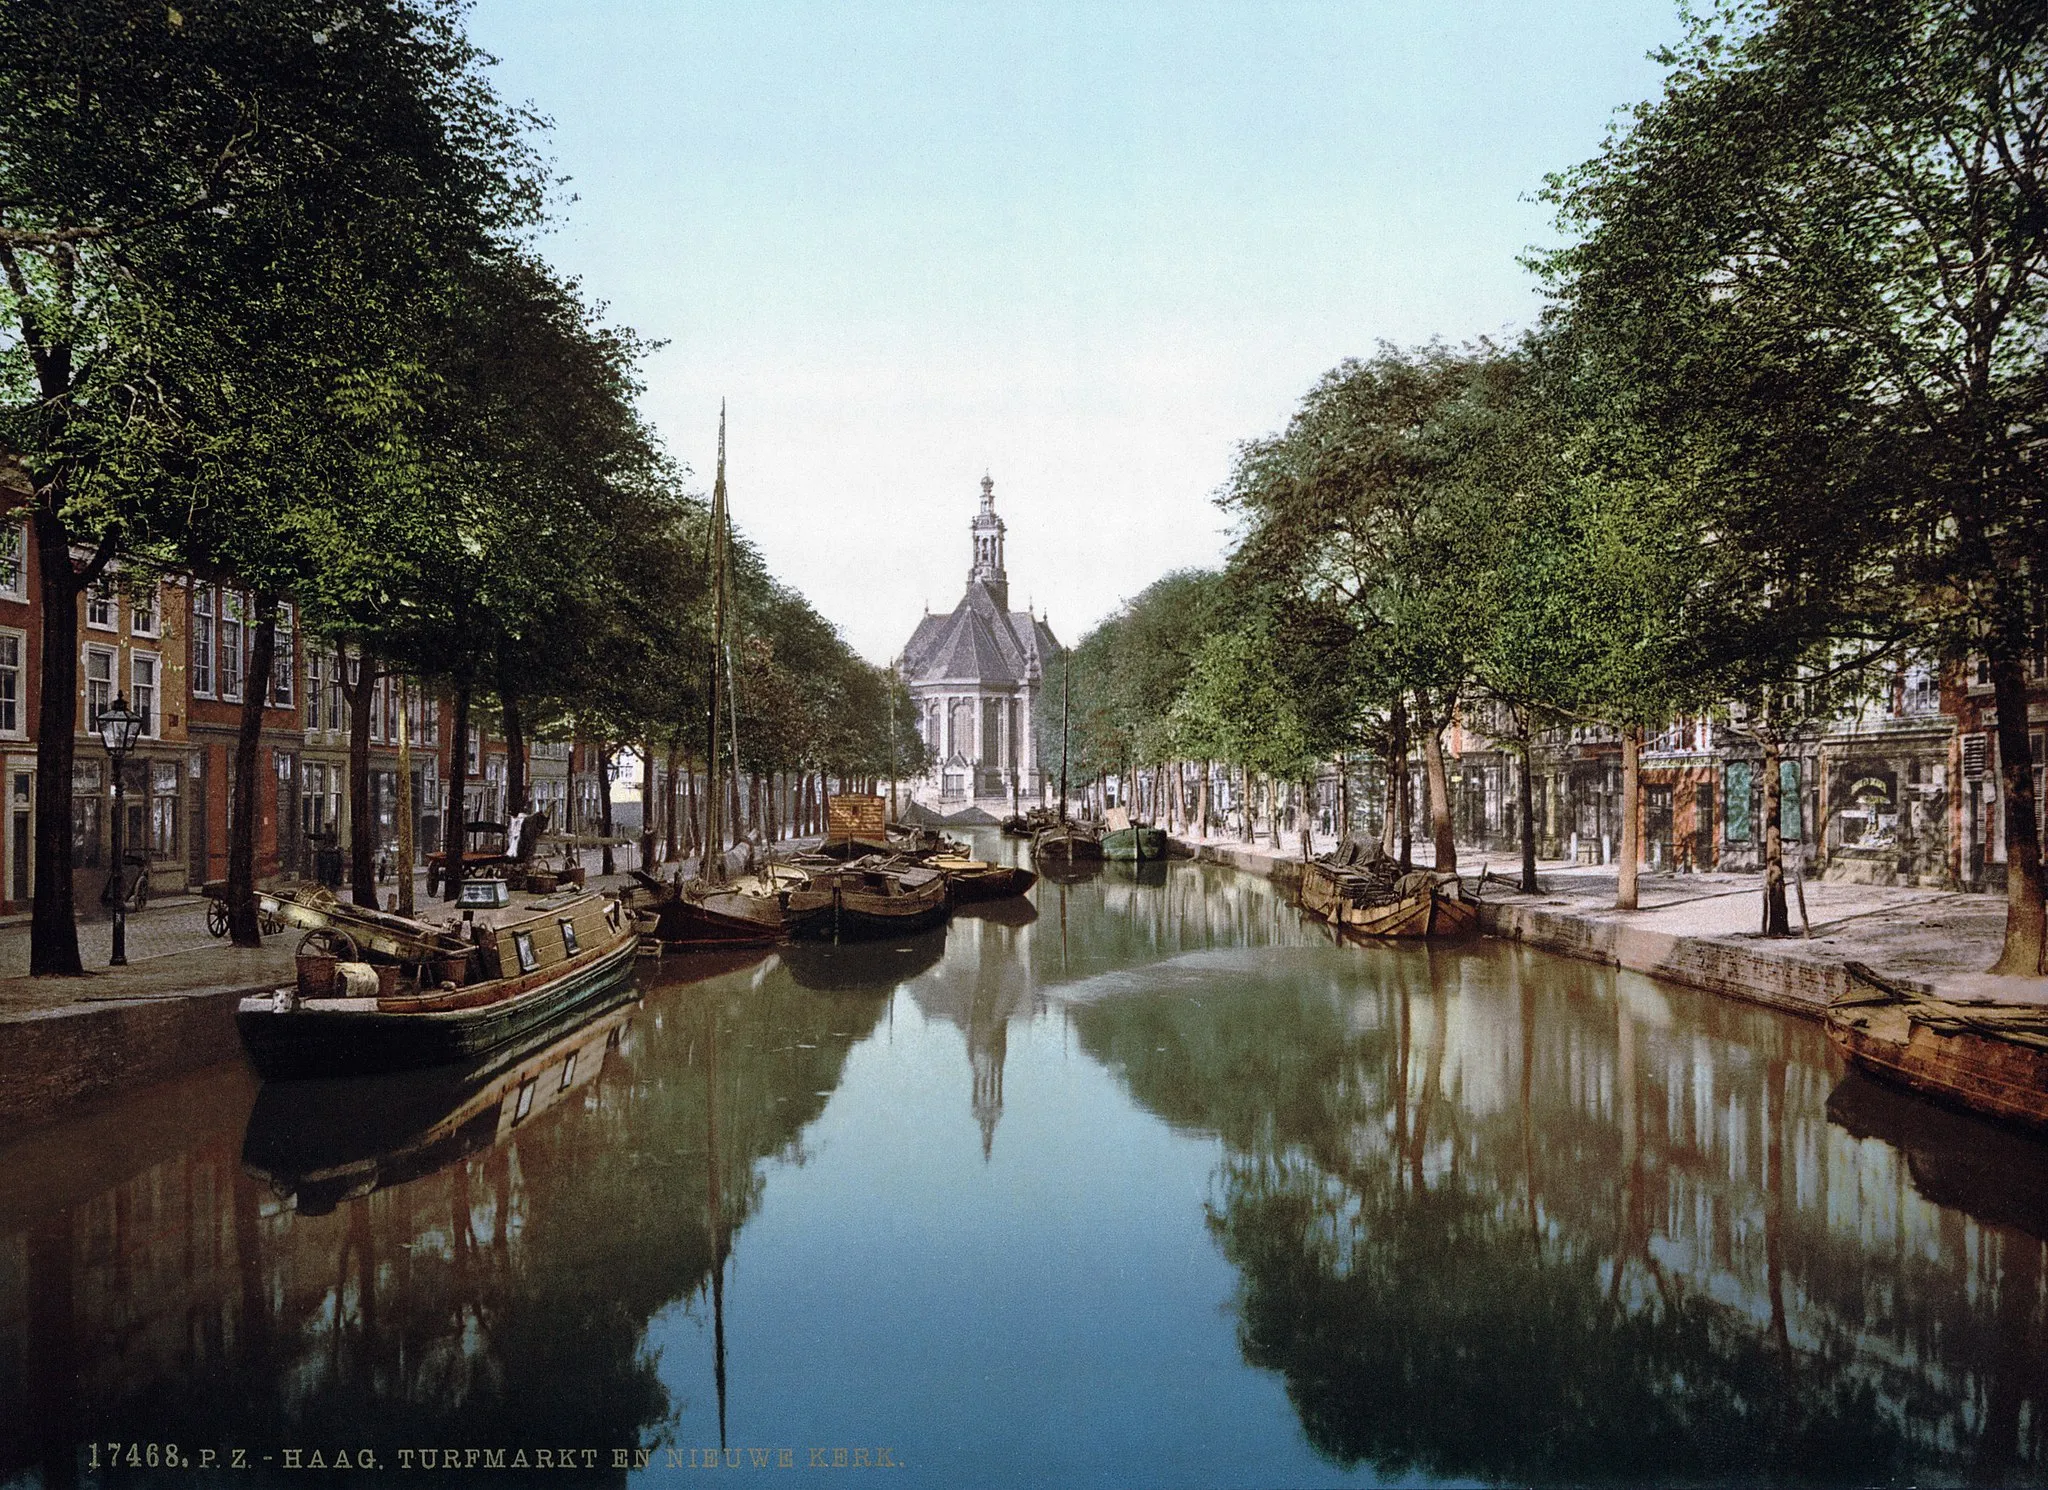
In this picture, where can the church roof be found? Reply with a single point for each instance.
(978, 642)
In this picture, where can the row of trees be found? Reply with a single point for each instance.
(1781, 429)
(277, 318)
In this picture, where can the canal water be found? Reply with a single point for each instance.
(1141, 1182)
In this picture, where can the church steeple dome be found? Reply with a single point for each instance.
(987, 529)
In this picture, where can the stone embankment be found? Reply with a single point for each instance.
(1704, 930)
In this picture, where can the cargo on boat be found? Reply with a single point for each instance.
(697, 916)
(1985, 1057)
(378, 992)
(870, 897)
(1361, 890)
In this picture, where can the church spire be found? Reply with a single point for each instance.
(987, 529)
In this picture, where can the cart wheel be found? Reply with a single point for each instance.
(327, 941)
(268, 924)
(216, 918)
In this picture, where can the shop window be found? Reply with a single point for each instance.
(87, 779)
(163, 809)
(1737, 784)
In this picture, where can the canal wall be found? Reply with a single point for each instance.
(1248, 857)
(1779, 975)
(61, 1060)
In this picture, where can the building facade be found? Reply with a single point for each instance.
(974, 676)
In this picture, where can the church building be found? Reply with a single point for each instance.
(975, 675)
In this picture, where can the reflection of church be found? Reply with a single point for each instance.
(975, 675)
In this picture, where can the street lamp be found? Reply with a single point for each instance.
(119, 726)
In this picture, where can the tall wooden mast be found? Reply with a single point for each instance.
(712, 864)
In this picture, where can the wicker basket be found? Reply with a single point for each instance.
(316, 975)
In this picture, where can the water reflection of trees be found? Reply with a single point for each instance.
(504, 1296)
(1496, 1215)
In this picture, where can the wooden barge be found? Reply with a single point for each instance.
(426, 996)
(1988, 1058)
(1361, 892)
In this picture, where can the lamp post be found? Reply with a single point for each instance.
(119, 726)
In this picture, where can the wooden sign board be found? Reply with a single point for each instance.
(855, 817)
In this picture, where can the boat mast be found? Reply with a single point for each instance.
(711, 864)
(1066, 699)
(732, 680)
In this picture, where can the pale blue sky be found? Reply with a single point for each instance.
(1086, 247)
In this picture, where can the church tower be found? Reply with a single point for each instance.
(987, 529)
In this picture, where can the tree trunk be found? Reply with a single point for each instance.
(1777, 917)
(1400, 829)
(243, 927)
(404, 805)
(1343, 795)
(1631, 817)
(647, 805)
(1437, 782)
(671, 794)
(695, 834)
(362, 813)
(1528, 809)
(515, 754)
(604, 805)
(53, 927)
(1202, 805)
(570, 825)
(454, 812)
(2023, 953)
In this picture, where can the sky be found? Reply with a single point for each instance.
(1086, 249)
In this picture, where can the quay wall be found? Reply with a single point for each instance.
(64, 1059)
(1793, 983)
(1779, 977)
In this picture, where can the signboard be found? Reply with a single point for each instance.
(855, 817)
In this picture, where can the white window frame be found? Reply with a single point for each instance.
(113, 680)
(18, 589)
(152, 717)
(204, 672)
(19, 729)
(156, 611)
(283, 669)
(101, 592)
(231, 613)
